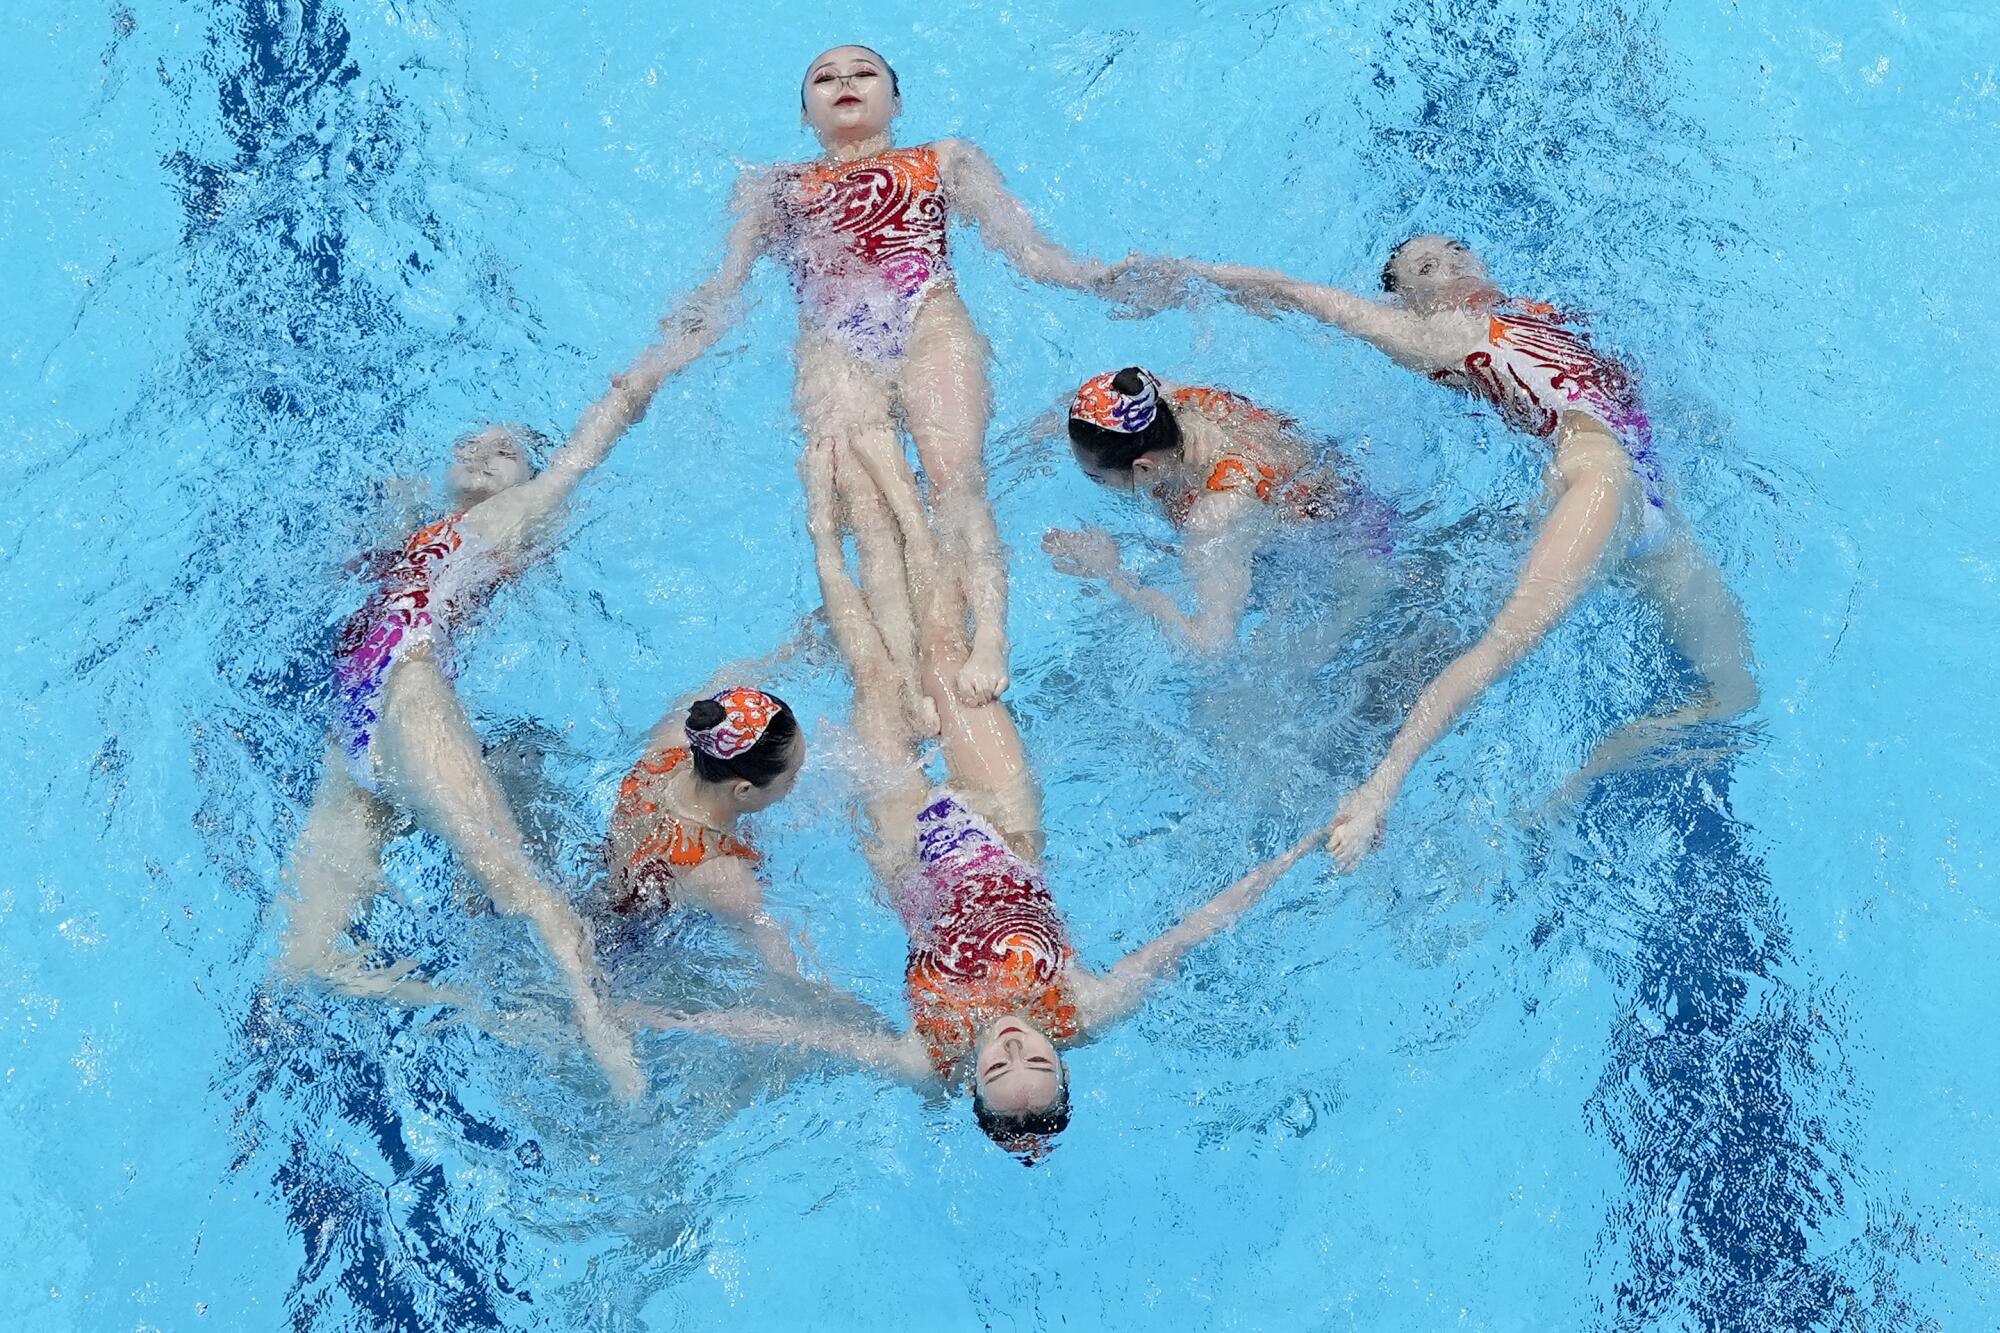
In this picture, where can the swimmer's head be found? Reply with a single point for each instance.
(748, 743)
(1020, 1086)
(1430, 272)
(850, 94)
(489, 460)
(1121, 427)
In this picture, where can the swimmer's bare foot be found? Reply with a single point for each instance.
(983, 678)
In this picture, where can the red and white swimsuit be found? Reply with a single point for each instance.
(1532, 364)
(865, 241)
(440, 577)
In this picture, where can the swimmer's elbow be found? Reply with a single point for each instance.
(1210, 637)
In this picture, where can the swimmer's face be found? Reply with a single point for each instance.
(484, 464)
(1434, 272)
(849, 95)
(1117, 478)
(750, 798)
(1015, 1067)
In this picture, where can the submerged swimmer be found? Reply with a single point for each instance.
(674, 832)
(994, 984)
(1225, 471)
(403, 751)
(884, 337)
(1610, 502)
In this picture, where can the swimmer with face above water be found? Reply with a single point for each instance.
(1610, 505)
(884, 337)
(1226, 472)
(995, 988)
(403, 751)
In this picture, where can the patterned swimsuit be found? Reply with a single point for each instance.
(985, 937)
(1247, 467)
(865, 242)
(1533, 365)
(668, 845)
(440, 578)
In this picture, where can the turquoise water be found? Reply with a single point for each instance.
(1709, 1053)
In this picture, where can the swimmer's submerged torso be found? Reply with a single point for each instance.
(443, 574)
(986, 938)
(664, 846)
(1239, 448)
(866, 243)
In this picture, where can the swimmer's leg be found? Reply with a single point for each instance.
(1705, 621)
(889, 561)
(844, 403)
(881, 720)
(1563, 564)
(335, 869)
(947, 403)
(432, 766)
(982, 747)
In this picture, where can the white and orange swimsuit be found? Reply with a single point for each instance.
(667, 845)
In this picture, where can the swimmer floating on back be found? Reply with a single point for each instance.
(884, 337)
(1450, 323)
(994, 984)
(1225, 471)
(402, 748)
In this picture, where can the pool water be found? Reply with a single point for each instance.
(1708, 1051)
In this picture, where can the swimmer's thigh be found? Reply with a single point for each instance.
(432, 765)
(336, 865)
(1703, 618)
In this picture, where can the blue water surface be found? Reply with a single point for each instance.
(1710, 1051)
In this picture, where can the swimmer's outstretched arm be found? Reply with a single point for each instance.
(1394, 330)
(900, 1056)
(1596, 474)
(525, 515)
(978, 191)
(709, 310)
(1104, 999)
(1217, 563)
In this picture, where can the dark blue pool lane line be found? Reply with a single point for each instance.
(1724, 1093)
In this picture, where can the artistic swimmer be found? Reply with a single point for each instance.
(884, 336)
(995, 988)
(674, 836)
(402, 750)
(1226, 473)
(1609, 503)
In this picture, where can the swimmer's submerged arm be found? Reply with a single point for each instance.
(1390, 328)
(978, 191)
(899, 1056)
(1217, 564)
(1115, 994)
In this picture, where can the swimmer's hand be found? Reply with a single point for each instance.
(1357, 827)
(1088, 554)
(984, 676)
(1146, 284)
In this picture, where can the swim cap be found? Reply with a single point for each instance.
(1124, 401)
(746, 713)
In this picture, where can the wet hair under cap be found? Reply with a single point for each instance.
(1390, 282)
(1116, 450)
(762, 763)
(895, 84)
(1028, 1135)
